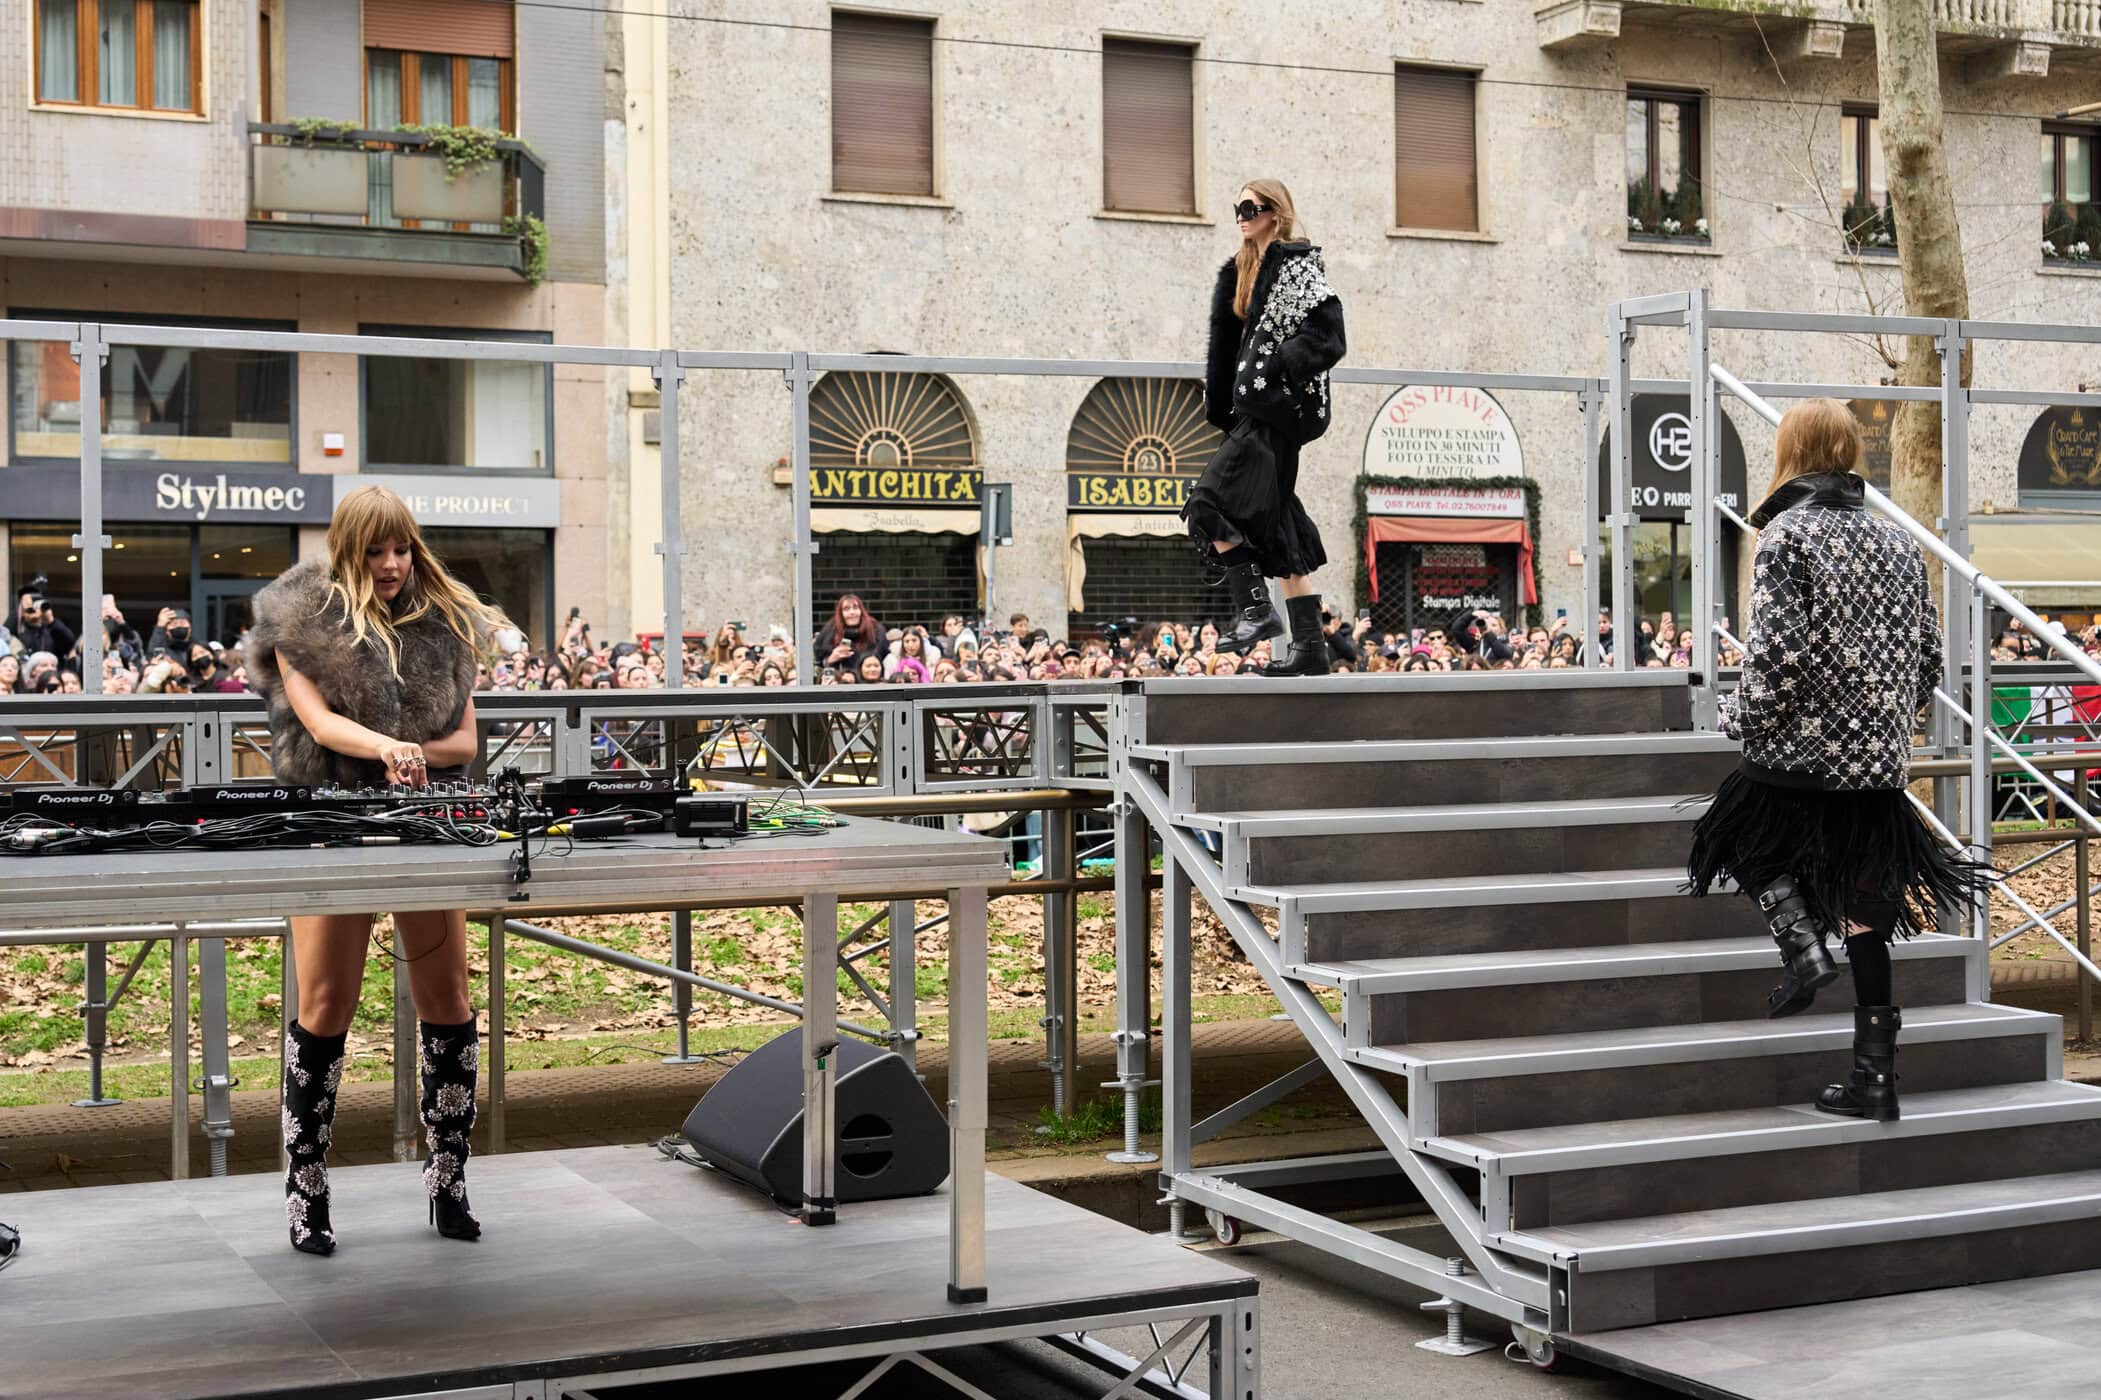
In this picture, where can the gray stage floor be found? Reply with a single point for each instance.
(2035, 1339)
(592, 1258)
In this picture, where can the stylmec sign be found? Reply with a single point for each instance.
(1662, 460)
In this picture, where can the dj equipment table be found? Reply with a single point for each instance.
(862, 859)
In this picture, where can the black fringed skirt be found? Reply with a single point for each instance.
(1248, 495)
(1844, 849)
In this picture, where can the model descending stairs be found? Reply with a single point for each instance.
(1565, 1053)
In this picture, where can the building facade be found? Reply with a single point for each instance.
(1485, 176)
(223, 164)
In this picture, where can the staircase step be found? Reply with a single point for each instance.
(1655, 912)
(1411, 706)
(1587, 1172)
(1461, 838)
(1531, 967)
(1279, 777)
(1824, 1222)
(1490, 1085)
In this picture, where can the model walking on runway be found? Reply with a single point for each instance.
(367, 660)
(1276, 331)
(1844, 650)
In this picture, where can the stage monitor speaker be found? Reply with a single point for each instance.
(893, 1140)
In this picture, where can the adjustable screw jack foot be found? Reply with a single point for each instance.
(1454, 1342)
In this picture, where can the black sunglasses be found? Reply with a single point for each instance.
(1247, 209)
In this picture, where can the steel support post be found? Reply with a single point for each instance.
(820, 1038)
(969, 1013)
(1236, 1348)
(1175, 1060)
(498, 1030)
(179, 1053)
(672, 546)
(1591, 399)
(682, 992)
(904, 979)
(1134, 980)
(1954, 527)
(96, 1011)
(218, 1080)
(92, 353)
(1701, 518)
(1061, 965)
(1619, 511)
(1980, 782)
(803, 544)
(406, 1057)
(2083, 917)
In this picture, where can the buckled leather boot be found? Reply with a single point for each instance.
(1805, 962)
(1254, 616)
(1871, 1091)
(1309, 645)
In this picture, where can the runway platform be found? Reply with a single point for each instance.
(599, 1268)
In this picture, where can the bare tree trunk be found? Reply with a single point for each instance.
(1929, 241)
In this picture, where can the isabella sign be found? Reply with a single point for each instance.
(1446, 431)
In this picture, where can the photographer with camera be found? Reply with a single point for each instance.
(37, 627)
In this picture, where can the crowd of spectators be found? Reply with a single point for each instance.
(40, 653)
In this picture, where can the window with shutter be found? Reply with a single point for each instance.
(882, 104)
(1148, 127)
(1435, 175)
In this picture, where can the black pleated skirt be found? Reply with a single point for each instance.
(1249, 495)
(1843, 849)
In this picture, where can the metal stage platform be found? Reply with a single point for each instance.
(600, 1268)
(2031, 1338)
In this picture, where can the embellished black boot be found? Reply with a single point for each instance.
(1871, 1091)
(1309, 645)
(1806, 964)
(451, 1058)
(313, 1071)
(1254, 616)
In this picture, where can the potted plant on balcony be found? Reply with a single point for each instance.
(319, 169)
(456, 177)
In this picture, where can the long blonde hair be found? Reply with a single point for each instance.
(1248, 261)
(367, 517)
(1816, 435)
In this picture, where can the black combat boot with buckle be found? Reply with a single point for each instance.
(1871, 1091)
(1309, 645)
(1806, 964)
(1254, 616)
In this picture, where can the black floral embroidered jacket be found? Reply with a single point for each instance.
(1844, 647)
(1273, 364)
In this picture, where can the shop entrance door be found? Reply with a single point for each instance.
(225, 606)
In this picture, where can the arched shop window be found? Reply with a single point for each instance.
(894, 477)
(1135, 447)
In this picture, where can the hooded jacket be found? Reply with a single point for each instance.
(1272, 365)
(298, 616)
(1844, 647)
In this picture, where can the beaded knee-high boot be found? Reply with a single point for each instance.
(313, 1073)
(451, 1058)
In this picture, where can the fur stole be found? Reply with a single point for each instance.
(297, 616)
(1223, 349)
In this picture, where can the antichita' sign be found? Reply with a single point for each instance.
(887, 486)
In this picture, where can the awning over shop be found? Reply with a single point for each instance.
(2048, 560)
(892, 520)
(1422, 529)
(1126, 525)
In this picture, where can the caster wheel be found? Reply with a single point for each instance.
(1535, 1347)
(1228, 1230)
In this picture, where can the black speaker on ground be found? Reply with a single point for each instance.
(893, 1140)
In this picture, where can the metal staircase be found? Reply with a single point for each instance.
(1563, 1053)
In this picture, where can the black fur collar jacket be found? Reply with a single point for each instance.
(1844, 647)
(297, 616)
(1272, 365)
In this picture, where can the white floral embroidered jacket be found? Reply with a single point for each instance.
(1273, 364)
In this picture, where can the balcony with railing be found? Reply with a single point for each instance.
(2003, 37)
(447, 202)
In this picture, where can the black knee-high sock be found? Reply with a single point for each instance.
(1869, 954)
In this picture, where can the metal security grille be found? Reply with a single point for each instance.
(902, 578)
(1427, 585)
(1153, 579)
(860, 419)
(1141, 425)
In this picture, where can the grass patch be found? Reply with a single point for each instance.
(1096, 1119)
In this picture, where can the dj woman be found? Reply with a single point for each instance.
(367, 660)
